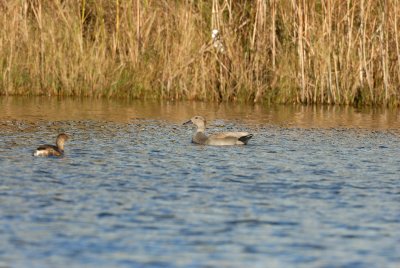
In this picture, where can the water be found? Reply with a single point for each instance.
(310, 189)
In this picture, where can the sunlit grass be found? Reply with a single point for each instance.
(337, 52)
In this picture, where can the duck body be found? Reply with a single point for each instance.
(218, 139)
(48, 150)
(52, 150)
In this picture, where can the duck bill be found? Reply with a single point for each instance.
(188, 122)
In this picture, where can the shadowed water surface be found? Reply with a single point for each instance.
(133, 191)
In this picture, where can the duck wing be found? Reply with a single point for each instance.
(229, 138)
(223, 135)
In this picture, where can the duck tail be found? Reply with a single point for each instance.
(246, 138)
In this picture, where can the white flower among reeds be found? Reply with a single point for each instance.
(216, 39)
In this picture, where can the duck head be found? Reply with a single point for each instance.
(198, 121)
(61, 139)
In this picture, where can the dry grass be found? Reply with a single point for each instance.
(334, 51)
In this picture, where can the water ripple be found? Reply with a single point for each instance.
(130, 195)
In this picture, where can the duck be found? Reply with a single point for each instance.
(52, 150)
(219, 139)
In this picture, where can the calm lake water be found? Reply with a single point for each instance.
(315, 187)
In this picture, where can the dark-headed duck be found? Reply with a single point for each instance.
(51, 150)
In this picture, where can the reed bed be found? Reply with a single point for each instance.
(294, 51)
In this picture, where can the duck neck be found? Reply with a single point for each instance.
(200, 128)
(60, 145)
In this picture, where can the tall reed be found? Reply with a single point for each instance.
(297, 51)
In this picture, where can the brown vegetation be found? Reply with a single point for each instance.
(333, 51)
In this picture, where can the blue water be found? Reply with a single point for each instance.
(139, 194)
